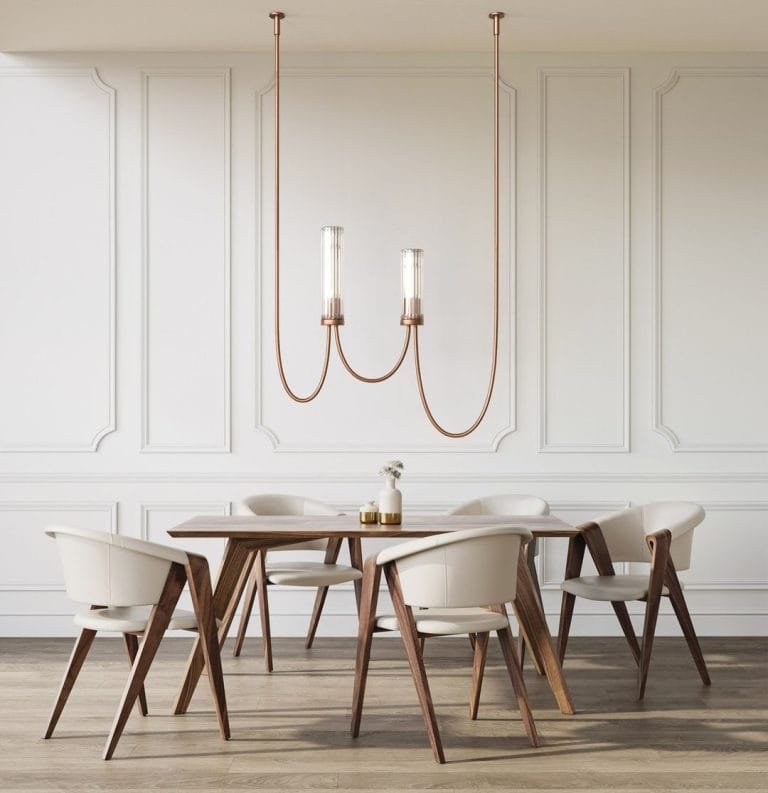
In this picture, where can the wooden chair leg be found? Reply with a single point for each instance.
(132, 647)
(153, 634)
(686, 623)
(261, 588)
(331, 556)
(516, 676)
(245, 616)
(317, 610)
(201, 590)
(573, 562)
(370, 596)
(234, 570)
(659, 544)
(410, 641)
(478, 669)
(79, 652)
(356, 560)
(567, 604)
(626, 626)
(530, 558)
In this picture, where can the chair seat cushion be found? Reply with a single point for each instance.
(608, 587)
(310, 573)
(449, 622)
(131, 619)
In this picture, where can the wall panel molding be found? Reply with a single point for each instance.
(191, 446)
(90, 443)
(146, 509)
(660, 424)
(509, 252)
(109, 508)
(354, 477)
(730, 585)
(622, 263)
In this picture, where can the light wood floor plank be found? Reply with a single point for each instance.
(290, 730)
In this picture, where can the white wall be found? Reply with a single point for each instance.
(139, 384)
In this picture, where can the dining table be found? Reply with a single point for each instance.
(246, 536)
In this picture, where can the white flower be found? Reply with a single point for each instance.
(393, 468)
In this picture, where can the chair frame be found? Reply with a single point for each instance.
(662, 574)
(412, 641)
(141, 653)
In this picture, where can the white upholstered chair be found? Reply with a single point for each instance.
(659, 533)
(279, 568)
(132, 587)
(444, 585)
(512, 505)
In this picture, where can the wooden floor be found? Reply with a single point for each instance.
(290, 730)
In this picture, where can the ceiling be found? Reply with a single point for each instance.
(384, 25)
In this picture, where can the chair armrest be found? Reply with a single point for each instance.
(598, 549)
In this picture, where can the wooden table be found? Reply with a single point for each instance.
(246, 534)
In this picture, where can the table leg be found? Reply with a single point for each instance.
(233, 575)
(533, 626)
(356, 559)
(530, 555)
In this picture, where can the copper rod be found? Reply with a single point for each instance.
(362, 378)
(276, 16)
(495, 17)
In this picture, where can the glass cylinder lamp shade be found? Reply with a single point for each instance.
(411, 260)
(331, 241)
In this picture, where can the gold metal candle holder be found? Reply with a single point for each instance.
(390, 518)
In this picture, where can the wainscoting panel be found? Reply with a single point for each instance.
(31, 581)
(186, 350)
(711, 283)
(57, 254)
(584, 247)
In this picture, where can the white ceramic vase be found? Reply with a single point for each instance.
(390, 503)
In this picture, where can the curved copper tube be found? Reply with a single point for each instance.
(323, 373)
(424, 402)
(276, 16)
(383, 377)
(495, 17)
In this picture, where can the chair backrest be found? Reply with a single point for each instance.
(471, 567)
(503, 504)
(625, 531)
(280, 504)
(109, 570)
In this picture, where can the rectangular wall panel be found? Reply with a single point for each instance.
(736, 525)
(22, 528)
(373, 167)
(711, 276)
(186, 388)
(584, 162)
(57, 254)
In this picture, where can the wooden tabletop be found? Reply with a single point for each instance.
(260, 527)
